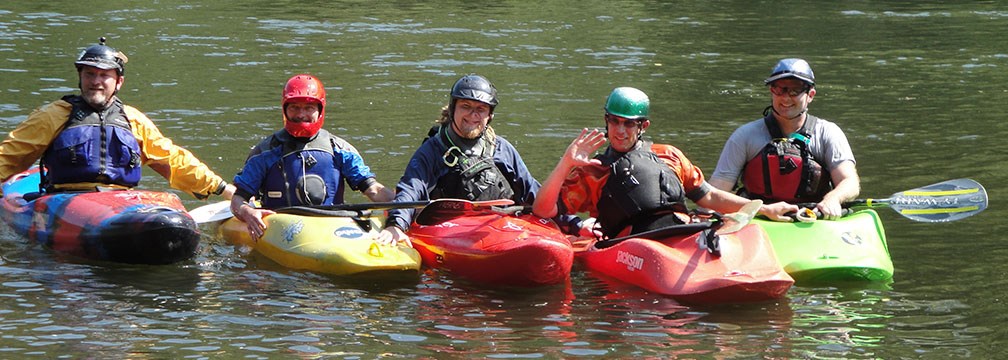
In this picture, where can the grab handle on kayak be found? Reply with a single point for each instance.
(808, 213)
(375, 250)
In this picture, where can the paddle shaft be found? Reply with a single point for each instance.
(659, 233)
(374, 206)
(726, 223)
(221, 211)
(442, 210)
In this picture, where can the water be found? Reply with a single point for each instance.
(918, 88)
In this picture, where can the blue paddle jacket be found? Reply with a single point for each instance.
(284, 171)
(427, 166)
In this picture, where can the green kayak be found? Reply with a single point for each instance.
(850, 249)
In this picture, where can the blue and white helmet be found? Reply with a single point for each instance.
(792, 67)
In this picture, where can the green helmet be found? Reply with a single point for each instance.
(627, 102)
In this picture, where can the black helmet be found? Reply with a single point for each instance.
(103, 57)
(475, 87)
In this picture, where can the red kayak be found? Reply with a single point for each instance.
(492, 248)
(680, 266)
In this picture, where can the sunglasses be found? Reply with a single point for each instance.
(790, 91)
(612, 120)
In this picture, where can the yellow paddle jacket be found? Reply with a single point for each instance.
(26, 143)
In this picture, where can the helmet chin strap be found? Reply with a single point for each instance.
(640, 136)
(802, 112)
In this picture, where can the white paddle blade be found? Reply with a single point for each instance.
(942, 202)
(737, 220)
(218, 211)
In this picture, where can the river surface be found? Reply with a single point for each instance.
(920, 90)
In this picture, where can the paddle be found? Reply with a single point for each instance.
(946, 201)
(222, 210)
(723, 224)
(344, 210)
(441, 210)
(217, 211)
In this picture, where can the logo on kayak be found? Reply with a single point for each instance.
(512, 226)
(130, 195)
(632, 262)
(348, 232)
(851, 238)
(291, 231)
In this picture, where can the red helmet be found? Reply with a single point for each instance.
(304, 87)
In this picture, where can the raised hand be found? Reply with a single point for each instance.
(580, 151)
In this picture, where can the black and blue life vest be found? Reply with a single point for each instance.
(93, 147)
(471, 176)
(306, 173)
(641, 192)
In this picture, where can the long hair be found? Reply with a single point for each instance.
(445, 116)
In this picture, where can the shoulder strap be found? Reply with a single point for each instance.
(434, 131)
(72, 99)
(773, 127)
(277, 138)
(491, 142)
(805, 130)
(809, 126)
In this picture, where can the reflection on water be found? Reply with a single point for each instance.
(630, 320)
(461, 318)
(227, 301)
(917, 87)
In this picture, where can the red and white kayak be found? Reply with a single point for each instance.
(494, 248)
(679, 266)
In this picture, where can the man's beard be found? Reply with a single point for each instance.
(96, 98)
(471, 133)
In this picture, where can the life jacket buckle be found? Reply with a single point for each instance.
(455, 158)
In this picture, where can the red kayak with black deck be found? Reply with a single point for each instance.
(477, 241)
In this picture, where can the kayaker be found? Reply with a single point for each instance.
(92, 140)
(463, 158)
(634, 185)
(790, 155)
(301, 164)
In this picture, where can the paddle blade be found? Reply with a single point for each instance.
(737, 220)
(942, 202)
(212, 212)
(441, 210)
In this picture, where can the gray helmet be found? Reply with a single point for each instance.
(793, 67)
(475, 87)
(103, 57)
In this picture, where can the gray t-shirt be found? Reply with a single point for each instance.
(828, 145)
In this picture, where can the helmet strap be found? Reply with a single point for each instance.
(771, 108)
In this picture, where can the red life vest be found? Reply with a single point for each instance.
(785, 169)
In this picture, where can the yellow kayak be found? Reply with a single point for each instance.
(338, 245)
